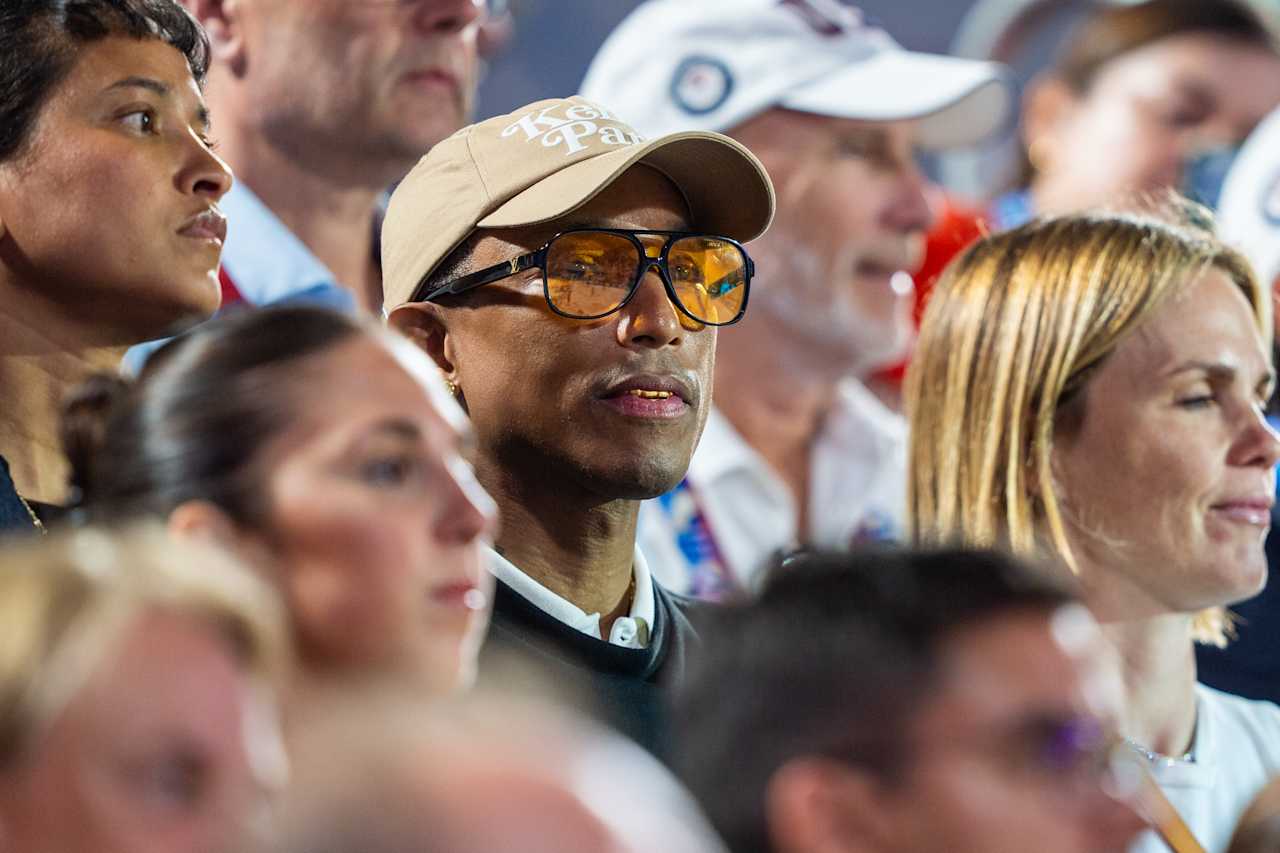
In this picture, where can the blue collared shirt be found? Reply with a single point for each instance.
(267, 263)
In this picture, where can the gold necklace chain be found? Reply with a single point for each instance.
(35, 519)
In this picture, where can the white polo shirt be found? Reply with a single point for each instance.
(630, 631)
(714, 533)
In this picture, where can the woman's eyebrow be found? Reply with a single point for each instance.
(150, 84)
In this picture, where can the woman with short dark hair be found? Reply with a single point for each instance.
(109, 228)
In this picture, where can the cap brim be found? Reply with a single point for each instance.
(959, 102)
(725, 186)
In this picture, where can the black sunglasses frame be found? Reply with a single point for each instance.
(538, 260)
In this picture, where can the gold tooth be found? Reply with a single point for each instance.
(649, 395)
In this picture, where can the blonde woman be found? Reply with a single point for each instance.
(1093, 387)
(135, 714)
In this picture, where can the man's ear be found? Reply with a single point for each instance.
(206, 522)
(221, 20)
(424, 324)
(1047, 105)
(818, 805)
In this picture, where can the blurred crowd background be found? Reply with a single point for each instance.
(376, 500)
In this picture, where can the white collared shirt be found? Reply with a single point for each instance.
(717, 531)
(630, 631)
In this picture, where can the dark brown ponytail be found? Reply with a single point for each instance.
(193, 424)
(84, 426)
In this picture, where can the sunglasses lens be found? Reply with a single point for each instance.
(710, 277)
(589, 273)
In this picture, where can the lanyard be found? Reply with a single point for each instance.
(708, 574)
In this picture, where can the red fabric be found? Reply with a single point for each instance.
(230, 293)
(955, 228)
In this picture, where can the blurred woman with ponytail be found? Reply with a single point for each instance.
(325, 452)
(109, 228)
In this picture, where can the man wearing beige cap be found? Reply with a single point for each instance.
(567, 277)
(797, 449)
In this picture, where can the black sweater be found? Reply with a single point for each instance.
(626, 687)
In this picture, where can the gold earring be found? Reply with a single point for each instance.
(1040, 154)
(454, 390)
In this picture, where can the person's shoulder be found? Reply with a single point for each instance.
(677, 603)
(683, 613)
(1236, 718)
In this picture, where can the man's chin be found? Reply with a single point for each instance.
(647, 479)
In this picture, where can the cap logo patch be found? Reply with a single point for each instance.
(701, 84)
(575, 128)
(1271, 200)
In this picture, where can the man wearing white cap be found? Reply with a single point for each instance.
(797, 451)
(568, 277)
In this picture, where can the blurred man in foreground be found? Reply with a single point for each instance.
(903, 703)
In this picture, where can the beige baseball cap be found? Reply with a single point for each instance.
(545, 160)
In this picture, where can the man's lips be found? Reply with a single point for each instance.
(209, 224)
(652, 385)
(429, 77)
(651, 395)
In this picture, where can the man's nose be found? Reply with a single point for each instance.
(650, 319)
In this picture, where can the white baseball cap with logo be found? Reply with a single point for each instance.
(713, 64)
(547, 159)
(1249, 208)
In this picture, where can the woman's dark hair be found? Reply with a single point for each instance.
(194, 423)
(41, 39)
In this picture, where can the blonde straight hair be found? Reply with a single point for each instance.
(1011, 334)
(66, 600)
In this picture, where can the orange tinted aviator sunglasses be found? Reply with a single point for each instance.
(589, 273)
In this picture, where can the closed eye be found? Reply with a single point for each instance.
(1198, 401)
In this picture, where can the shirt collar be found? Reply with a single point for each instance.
(264, 258)
(626, 630)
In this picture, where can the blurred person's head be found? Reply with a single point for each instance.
(136, 706)
(108, 186)
(326, 451)
(497, 773)
(1093, 386)
(899, 702)
(354, 89)
(1140, 90)
(1259, 827)
(582, 356)
(838, 113)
